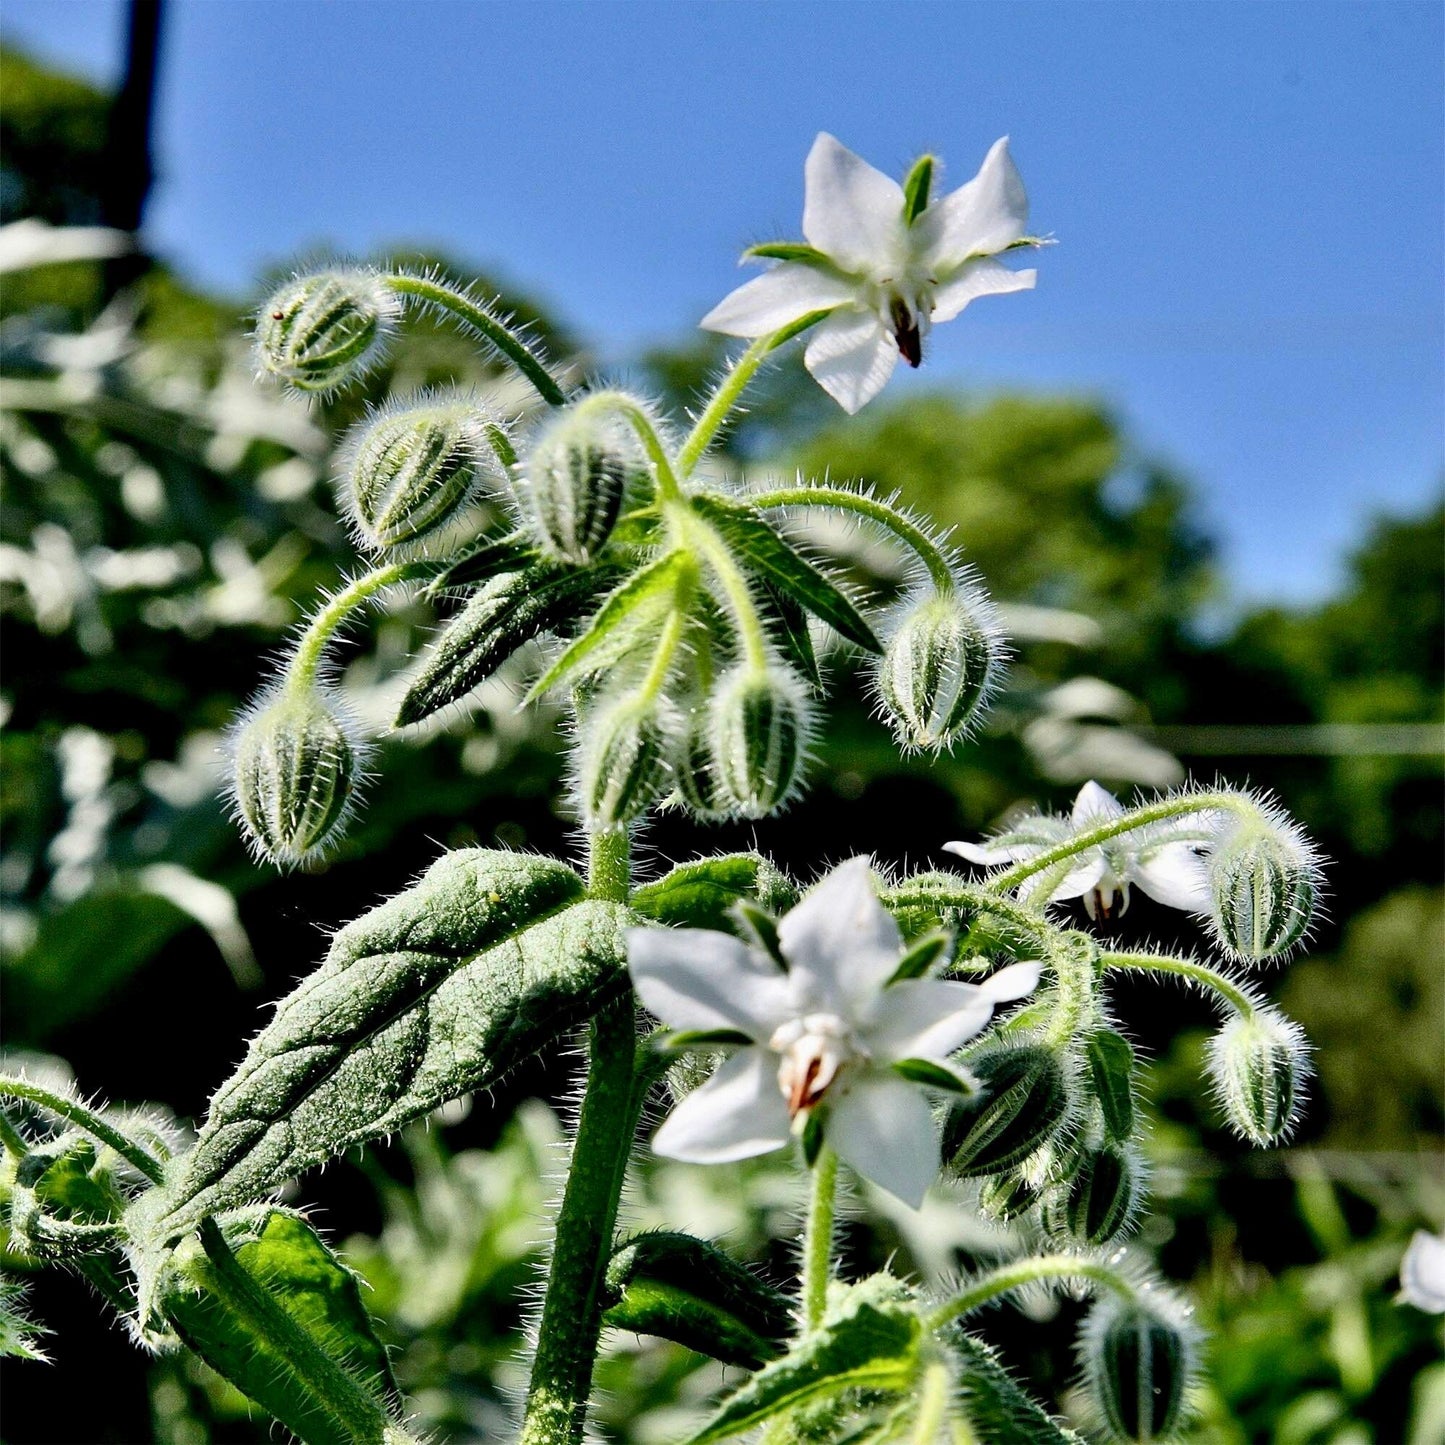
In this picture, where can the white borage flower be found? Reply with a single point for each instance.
(1163, 859)
(827, 1030)
(1422, 1273)
(885, 262)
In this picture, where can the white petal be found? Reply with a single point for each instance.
(925, 1018)
(1175, 875)
(1015, 981)
(883, 1128)
(978, 219)
(841, 944)
(695, 978)
(852, 355)
(1095, 805)
(1422, 1273)
(851, 211)
(776, 298)
(739, 1112)
(1082, 878)
(989, 856)
(978, 278)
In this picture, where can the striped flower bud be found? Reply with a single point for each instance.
(1007, 1197)
(1024, 1103)
(1264, 882)
(297, 759)
(1096, 1203)
(694, 770)
(621, 761)
(320, 332)
(1258, 1065)
(407, 474)
(1139, 1358)
(574, 480)
(939, 667)
(760, 724)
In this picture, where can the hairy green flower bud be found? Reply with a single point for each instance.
(761, 723)
(1264, 881)
(694, 769)
(574, 480)
(1096, 1203)
(939, 667)
(1024, 1103)
(621, 761)
(1139, 1358)
(65, 1198)
(1008, 1197)
(297, 759)
(408, 473)
(320, 332)
(1258, 1065)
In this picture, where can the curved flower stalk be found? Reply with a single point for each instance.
(883, 263)
(828, 1032)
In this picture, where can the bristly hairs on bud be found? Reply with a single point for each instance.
(761, 727)
(326, 328)
(621, 761)
(412, 468)
(1259, 1069)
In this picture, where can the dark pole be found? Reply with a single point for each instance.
(128, 140)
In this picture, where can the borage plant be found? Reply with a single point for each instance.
(863, 1023)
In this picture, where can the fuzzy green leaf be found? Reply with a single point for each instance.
(434, 994)
(789, 251)
(923, 953)
(512, 553)
(917, 187)
(791, 632)
(286, 1260)
(869, 1340)
(511, 609)
(689, 1291)
(933, 1075)
(702, 894)
(1111, 1068)
(644, 597)
(997, 1409)
(765, 552)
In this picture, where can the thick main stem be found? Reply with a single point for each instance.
(571, 1321)
(818, 1238)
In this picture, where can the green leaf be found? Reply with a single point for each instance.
(760, 928)
(917, 187)
(643, 598)
(792, 633)
(436, 993)
(869, 1340)
(996, 1407)
(1111, 1068)
(789, 251)
(287, 1261)
(689, 1291)
(934, 1075)
(702, 894)
(512, 553)
(762, 550)
(703, 1039)
(922, 954)
(19, 1334)
(510, 610)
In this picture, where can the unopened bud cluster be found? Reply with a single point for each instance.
(320, 332)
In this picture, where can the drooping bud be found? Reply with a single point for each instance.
(1264, 881)
(1024, 1102)
(760, 727)
(694, 769)
(574, 479)
(320, 332)
(1139, 1358)
(1096, 1203)
(408, 473)
(1258, 1065)
(621, 761)
(939, 667)
(297, 759)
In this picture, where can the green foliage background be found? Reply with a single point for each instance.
(165, 522)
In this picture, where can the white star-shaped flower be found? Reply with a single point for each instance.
(1422, 1273)
(1164, 860)
(886, 268)
(825, 1033)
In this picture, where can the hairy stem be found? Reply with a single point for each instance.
(818, 1238)
(306, 661)
(572, 1309)
(507, 341)
(1210, 978)
(844, 499)
(735, 588)
(1023, 1272)
(932, 1404)
(74, 1112)
(732, 386)
(11, 1138)
(641, 423)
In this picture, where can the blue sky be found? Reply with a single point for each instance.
(1247, 193)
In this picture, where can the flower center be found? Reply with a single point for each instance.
(814, 1051)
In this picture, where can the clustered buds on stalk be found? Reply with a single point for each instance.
(941, 663)
(65, 1196)
(321, 331)
(1139, 1360)
(760, 724)
(574, 478)
(408, 473)
(1258, 1064)
(622, 760)
(1264, 882)
(297, 759)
